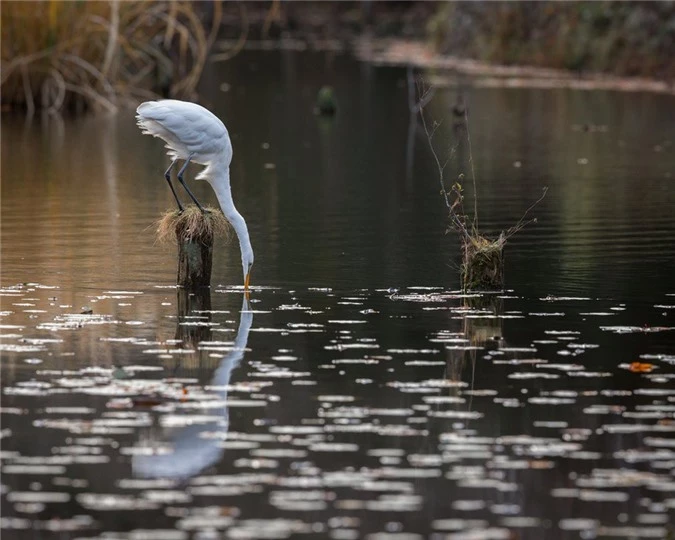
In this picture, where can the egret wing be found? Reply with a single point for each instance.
(178, 122)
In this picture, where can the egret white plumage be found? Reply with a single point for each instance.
(193, 133)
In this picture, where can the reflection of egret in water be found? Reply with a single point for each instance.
(191, 452)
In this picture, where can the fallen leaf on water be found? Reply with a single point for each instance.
(146, 402)
(640, 367)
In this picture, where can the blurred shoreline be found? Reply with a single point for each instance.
(416, 34)
(450, 71)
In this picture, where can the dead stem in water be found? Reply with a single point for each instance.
(483, 262)
(192, 225)
(482, 265)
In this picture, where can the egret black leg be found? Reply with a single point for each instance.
(167, 175)
(180, 179)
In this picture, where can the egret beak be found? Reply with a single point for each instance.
(246, 280)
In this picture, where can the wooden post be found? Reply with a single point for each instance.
(194, 232)
(195, 258)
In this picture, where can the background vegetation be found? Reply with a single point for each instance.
(77, 55)
(622, 38)
(58, 54)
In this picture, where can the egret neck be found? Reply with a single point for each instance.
(219, 178)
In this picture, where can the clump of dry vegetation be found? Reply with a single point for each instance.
(81, 55)
(192, 226)
(483, 262)
(482, 266)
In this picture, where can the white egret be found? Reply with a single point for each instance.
(193, 133)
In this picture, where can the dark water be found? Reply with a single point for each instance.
(358, 394)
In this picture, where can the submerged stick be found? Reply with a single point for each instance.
(194, 232)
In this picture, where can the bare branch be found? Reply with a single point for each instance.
(473, 172)
(434, 153)
(426, 98)
(521, 222)
(436, 126)
(455, 207)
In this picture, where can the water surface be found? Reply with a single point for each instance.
(358, 393)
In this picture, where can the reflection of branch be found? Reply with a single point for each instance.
(241, 41)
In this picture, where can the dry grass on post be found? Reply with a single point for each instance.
(482, 266)
(482, 262)
(194, 233)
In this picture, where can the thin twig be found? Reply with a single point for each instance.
(436, 126)
(426, 98)
(438, 161)
(521, 222)
(473, 172)
(455, 209)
